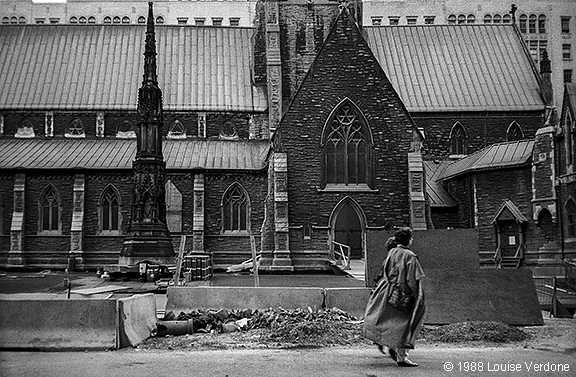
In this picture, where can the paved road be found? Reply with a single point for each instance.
(287, 363)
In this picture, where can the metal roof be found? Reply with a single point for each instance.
(100, 67)
(508, 204)
(571, 93)
(119, 154)
(495, 156)
(481, 67)
(437, 196)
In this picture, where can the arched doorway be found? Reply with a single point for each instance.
(347, 227)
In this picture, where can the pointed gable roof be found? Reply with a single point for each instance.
(480, 67)
(509, 211)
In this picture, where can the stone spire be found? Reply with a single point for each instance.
(147, 236)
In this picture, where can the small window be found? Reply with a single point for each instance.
(5, 20)
(565, 25)
(38, 20)
(569, 140)
(182, 20)
(91, 20)
(571, 218)
(141, 20)
(107, 20)
(567, 75)
(514, 132)
(458, 140)
(566, 51)
(307, 231)
(13, 20)
(542, 24)
(75, 129)
(452, 19)
(429, 20)
(506, 19)
(22, 20)
(177, 130)
(73, 20)
(159, 20)
(471, 19)
(228, 131)
(487, 18)
(532, 24)
(125, 131)
(411, 20)
(116, 20)
(377, 21)
(25, 130)
(235, 212)
(234, 21)
(497, 19)
(82, 20)
(394, 20)
(49, 210)
(125, 20)
(461, 19)
(216, 21)
(523, 23)
(199, 21)
(54, 20)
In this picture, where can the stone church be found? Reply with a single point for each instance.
(305, 131)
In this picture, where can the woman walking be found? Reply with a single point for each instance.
(396, 308)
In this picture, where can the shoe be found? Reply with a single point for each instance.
(407, 363)
(393, 354)
(381, 349)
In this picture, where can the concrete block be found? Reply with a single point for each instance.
(137, 319)
(186, 299)
(351, 300)
(58, 324)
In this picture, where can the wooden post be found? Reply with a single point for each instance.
(176, 277)
(254, 261)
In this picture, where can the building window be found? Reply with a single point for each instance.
(125, 20)
(199, 21)
(173, 208)
(107, 20)
(429, 20)
(307, 228)
(566, 51)
(565, 25)
(514, 132)
(73, 20)
(49, 210)
(457, 140)
(22, 20)
(159, 20)
(38, 20)
(377, 21)
(182, 20)
(116, 20)
(497, 19)
(75, 129)
(567, 75)
(110, 210)
(141, 20)
(542, 24)
(532, 24)
(234, 21)
(471, 19)
(54, 20)
(5, 20)
(228, 131)
(25, 130)
(487, 18)
(569, 132)
(216, 21)
(411, 20)
(125, 131)
(537, 48)
(91, 20)
(394, 20)
(506, 19)
(177, 130)
(461, 19)
(235, 209)
(346, 144)
(571, 218)
(523, 23)
(452, 19)
(82, 20)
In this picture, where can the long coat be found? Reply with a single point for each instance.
(384, 324)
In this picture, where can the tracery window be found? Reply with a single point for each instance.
(110, 210)
(346, 144)
(235, 209)
(49, 210)
(75, 129)
(514, 132)
(141, 20)
(571, 217)
(159, 20)
(25, 130)
(177, 130)
(458, 140)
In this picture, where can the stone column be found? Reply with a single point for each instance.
(198, 226)
(100, 124)
(16, 253)
(282, 260)
(417, 196)
(273, 65)
(49, 124)
(77, 228)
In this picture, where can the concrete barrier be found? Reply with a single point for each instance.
(137, 315)
(351, 300)
(58, 324)
(186, 299)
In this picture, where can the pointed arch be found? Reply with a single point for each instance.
(235, 209)
(514, 132)
(348, 226)
(346, 146)
(458, 139)
(110, 214)
(49, 209)
(570, 211)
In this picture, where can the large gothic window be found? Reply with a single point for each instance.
(514, 132)
(346, 143)
(571, 218)
(235, 209)
(110, 210)
(458, 140)
(49, 210)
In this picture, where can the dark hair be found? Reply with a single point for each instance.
(403, 236)
(391, 243)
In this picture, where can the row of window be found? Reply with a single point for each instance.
(234, 210)
(199, 21)
(458, 137)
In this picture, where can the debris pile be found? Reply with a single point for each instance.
(473, 331)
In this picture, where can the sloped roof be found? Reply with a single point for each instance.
(119, 154)
(495, 156)
(571, 93)
(100, 67)
(480, 67)
(514, 211)
(437, 196)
